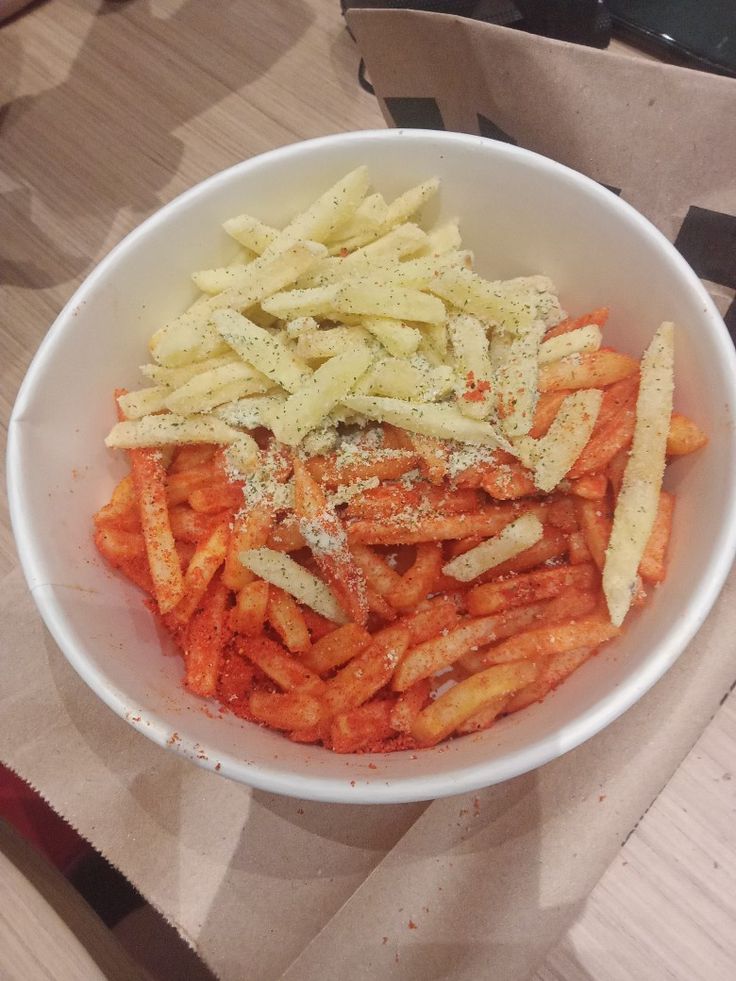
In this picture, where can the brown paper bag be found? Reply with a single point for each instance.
(661, 136)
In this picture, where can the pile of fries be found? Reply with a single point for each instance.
(378, 500)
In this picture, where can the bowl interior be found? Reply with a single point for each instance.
(520, 214)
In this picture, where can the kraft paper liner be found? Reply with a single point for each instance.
(266, 887)
(662, 136)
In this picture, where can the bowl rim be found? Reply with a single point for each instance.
(373, 789)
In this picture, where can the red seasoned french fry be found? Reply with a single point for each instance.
(653, 565)
(530, 587)
(205, 641)
(592, 369)
(291, 710)
(248, 616)
(361, 728)
(337, 648)
(285, 616)
(368, 672)
(416, 584)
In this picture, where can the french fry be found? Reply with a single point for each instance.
(614, 428)
(118, 545)
(548, 405)
(379, 606)
(336, 648)
(416, 584)
(145, 401)
(514, 538)
(588, 631)
(215, 387)
(571, 604)
(427, 418)
(256, 346)
(426, 659)
(551, 674)
(653, 565)
(334, 472)
(317, 625)
(251, 529)
(409, 704)
(597, 317)
(413, 530)
(191, 336)
(282, 571)
(514, 382)
(400, 339)
(430, 619)
(189, 526)
(213, 498)
(249, 613)
(251, 232)
(514, 310)
(592, 370)
(308, 405)
(288, 672)
(552, 545)
(324, 216)
(122, 504)
(684, 436)
(578, 552)
(465, 699)
(149, 479)
(386, 501)
(530, 587)
(205, 640)
(328, 543)
(581, 339)
(361, 728)
(636, 505)
(485, 717)
(367, 673)
(205, 562)
(292, 710)
(592, 486)
(595, 521)
(552, 455)
(171, 429)
(285, 616)
(377, 572)
(286, 536)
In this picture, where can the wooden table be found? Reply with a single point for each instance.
(111, 109)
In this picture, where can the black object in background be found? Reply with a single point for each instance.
(700, 32)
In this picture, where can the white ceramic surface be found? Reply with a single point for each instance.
(521, 214)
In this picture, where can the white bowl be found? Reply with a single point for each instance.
(521, 214)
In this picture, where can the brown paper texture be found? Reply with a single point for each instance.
(664, 137)
(464, 888)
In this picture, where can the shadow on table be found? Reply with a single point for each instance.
(131, 65)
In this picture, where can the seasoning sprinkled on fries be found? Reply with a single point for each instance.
(377, 499)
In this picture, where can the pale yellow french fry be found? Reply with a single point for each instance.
(214, 387)
(586, 338)
(144, 402)
(514, 382)
(465, 289)
(404, 206)
(365, 225)
(516, 537)
(191, 336)
(413, 380)
(300, 325)
(282, 571)
(251, 232)
(471, 353)
(429, 418)
(326, 215)
(256, 346)
(251, 412)
(404, 240)
(552, 456)
(307, 407)
(357, 298)
(638, 499)
(169, 428)
(216, 280)
(397, 337)
(321, 344)
(443, 238)
(176, 377)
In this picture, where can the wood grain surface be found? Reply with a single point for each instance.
(110, 109)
